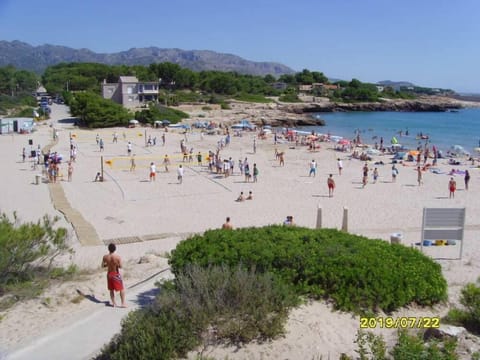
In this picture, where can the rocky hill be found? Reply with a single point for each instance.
(38, 58)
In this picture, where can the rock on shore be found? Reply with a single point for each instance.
(427, 103)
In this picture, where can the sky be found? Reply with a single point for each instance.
(432, 43)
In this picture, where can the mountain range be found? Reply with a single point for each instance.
(38, 58)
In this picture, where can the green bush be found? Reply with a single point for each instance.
(151, 334)
(408, 347)
(27, 252)
(469, 317)
(239, 304)
(357, 273)
(412, 347)
(24, 112)
(25, 247)
(370, 346)
(217, 303)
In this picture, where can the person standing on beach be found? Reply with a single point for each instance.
(100, 143)
(281, 158)
(24, 154)
(246, 170)
(375, 175)
(132, 163)
(153, 171)
(113, 263)
(70, 171)
(199, 159)
(452, 186)
(394, 173)
(180, 174)
(163, 139)
(255, 173)
(313, 168)
(331, 185)
(419, 176)
(129, 148)
(166, 162)
(340, 166)
(254, 145)
(365, 175)
(467, 179)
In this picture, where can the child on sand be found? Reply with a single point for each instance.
(394, 173)
(240, 197)
(98, 177)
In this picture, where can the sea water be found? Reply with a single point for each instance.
(444, 129)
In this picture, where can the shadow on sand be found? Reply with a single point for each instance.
(93, 299)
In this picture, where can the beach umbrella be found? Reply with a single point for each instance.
(133, 122)
(343, 142)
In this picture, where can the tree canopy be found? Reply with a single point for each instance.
(95, 111)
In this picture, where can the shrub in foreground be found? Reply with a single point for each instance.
(357, 273)
(204, 305)
(27, 251)
(409, 346)
(469, 316)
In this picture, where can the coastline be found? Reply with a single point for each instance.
(279, 114)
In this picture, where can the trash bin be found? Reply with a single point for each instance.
(37, 179)
(396, 238)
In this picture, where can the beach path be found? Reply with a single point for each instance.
(90, 329)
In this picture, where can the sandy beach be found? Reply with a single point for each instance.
(148, 218)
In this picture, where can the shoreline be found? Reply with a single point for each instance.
(280, 114)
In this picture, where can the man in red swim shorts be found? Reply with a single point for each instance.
(113, 263)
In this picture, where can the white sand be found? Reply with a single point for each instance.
(128, 205)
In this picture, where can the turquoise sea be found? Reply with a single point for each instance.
(444, 129)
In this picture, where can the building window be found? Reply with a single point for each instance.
(129, 89)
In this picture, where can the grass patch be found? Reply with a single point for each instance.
(469, 315)
(255, 98)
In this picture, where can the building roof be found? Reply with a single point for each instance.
(128, 79)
